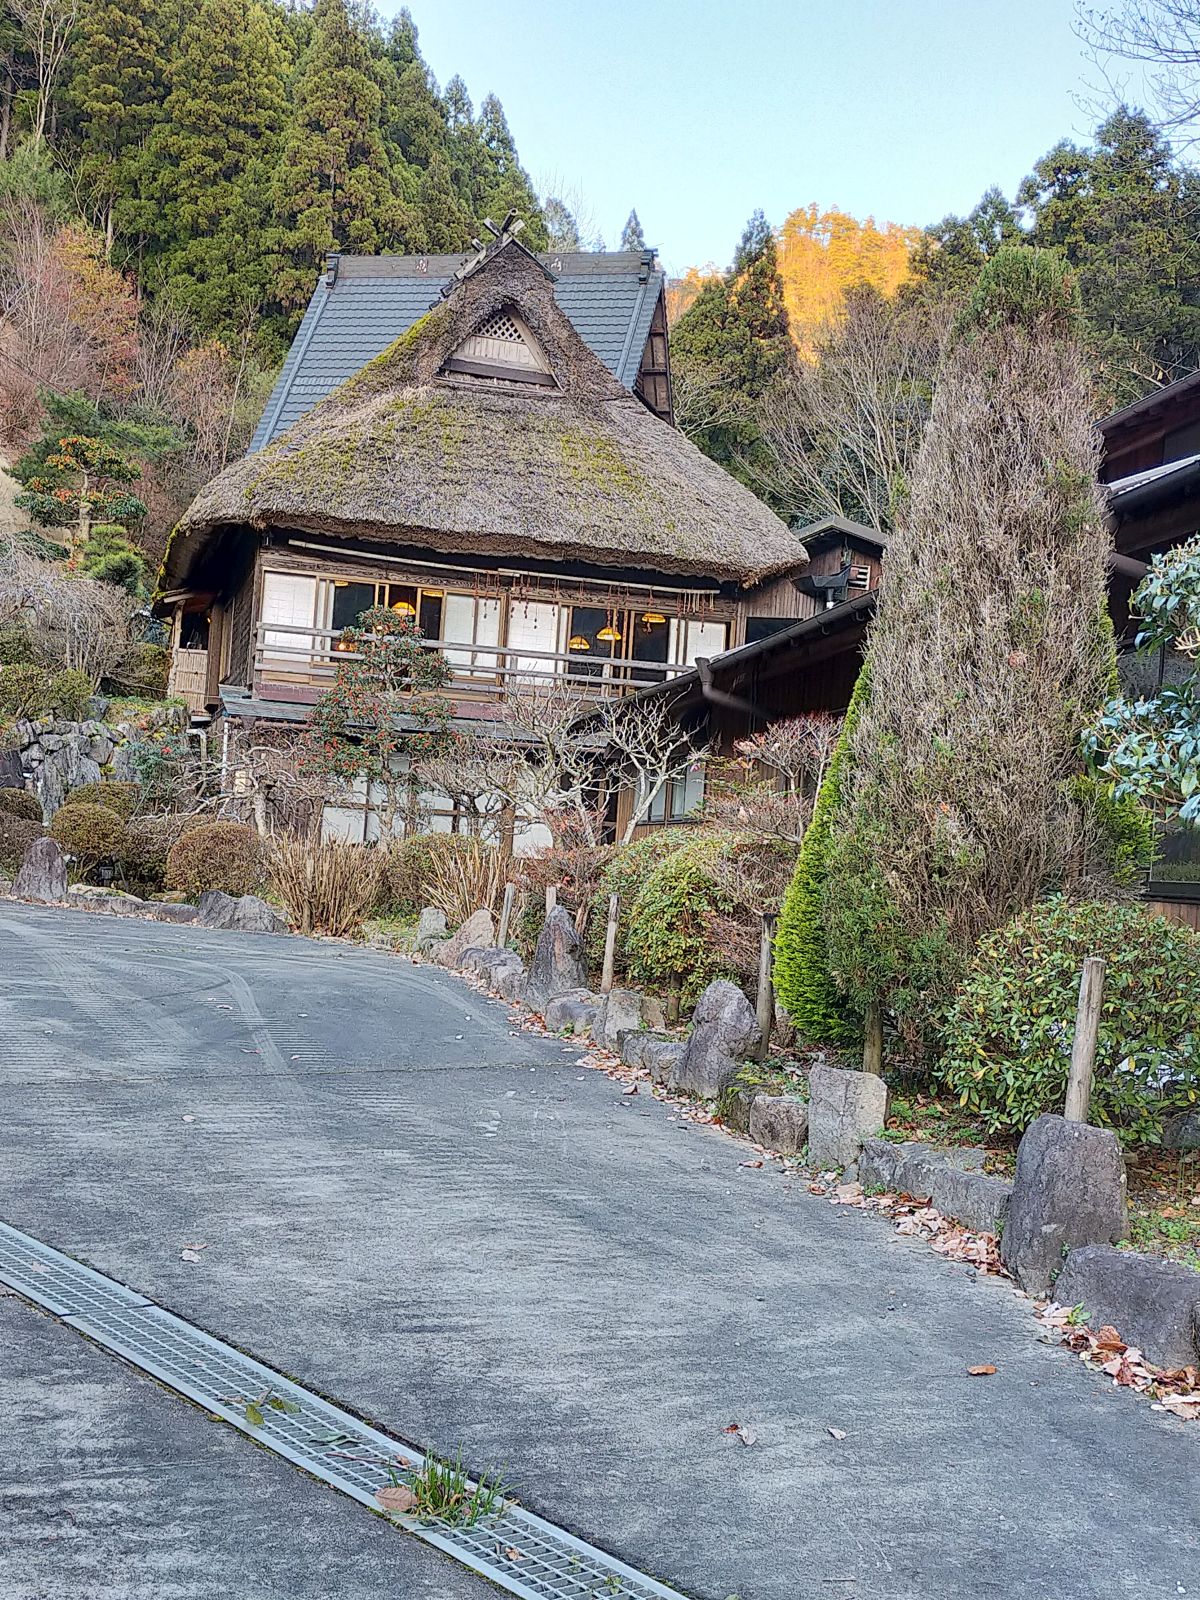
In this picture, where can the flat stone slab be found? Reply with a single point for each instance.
(949, 1179)
(779, 1122)
(619, 1013)
(1152, 1304)
(572, 1013)
(845, 1108)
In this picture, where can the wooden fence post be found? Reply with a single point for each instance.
(551, 898)
(506, 906)
(765, 998)
(873, 1040)
(610, 944)
(1083, 1047)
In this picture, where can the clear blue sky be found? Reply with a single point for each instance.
(696, 111)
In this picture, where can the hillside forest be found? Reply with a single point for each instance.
(172, 178)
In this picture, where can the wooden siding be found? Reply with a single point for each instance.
(1185, 912)
(653, 382)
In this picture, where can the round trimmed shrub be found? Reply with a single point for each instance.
(668, 941)
(1008, 1040)
(70, 692)
(216, 855)
(148, 842)
(20, 803)
(119, 797)
(16, 835)
(89, 833)
(24, 691)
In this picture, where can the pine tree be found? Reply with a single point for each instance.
(733, 341)
(114, 92)
(561, 226)
(335, 185)
(502, 184)
(216, 153)
(632, 237)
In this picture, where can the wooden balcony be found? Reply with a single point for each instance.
(297, 663)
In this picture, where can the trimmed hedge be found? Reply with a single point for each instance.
(121, 798)
(802, 979)
(216, 855)
(20, 803)
(1008, 1041)
(625, 874)
(89, 833)
(16, 835)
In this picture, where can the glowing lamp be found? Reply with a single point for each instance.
(610, 635)
(651, 617)
(578, 643)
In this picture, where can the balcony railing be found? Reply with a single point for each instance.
(302, 657)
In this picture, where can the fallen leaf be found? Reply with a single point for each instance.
(837, 1433)
(632, 1089)
(742, 1434)
(396, 1497)
(190, 1255)
(980, 1372)
(254, 1414)
(513, 1553)
(749, 1163)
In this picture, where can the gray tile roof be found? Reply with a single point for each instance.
(609, 298)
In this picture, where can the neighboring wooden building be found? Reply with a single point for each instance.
(489, 474)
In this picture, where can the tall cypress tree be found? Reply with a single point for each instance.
(632, 237)
(216, 155)
(335, 186)
(114, 94)
(501, 182)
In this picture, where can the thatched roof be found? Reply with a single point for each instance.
(579, 470)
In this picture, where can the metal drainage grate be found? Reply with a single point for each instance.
(522, 1553)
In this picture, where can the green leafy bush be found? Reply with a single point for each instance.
(20, 803)
(29, 691)
(122, 798)
(143, 672)
(89, 833)
(16, 835)
(216, 855)
(803, 983)
(1008, 1040)
(16, 647)
(624, 874)
(668, 940)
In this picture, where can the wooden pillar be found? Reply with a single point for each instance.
(506, 906)
(610, 944)
(1083, 1047)
(551, 898)
(873, 1040)
(765, 998)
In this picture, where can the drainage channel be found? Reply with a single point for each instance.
(520, 1552)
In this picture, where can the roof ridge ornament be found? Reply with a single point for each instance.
(503, 234)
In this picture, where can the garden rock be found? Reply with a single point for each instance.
(620, 1012)
(245, 914)
(1153, 1304)
(913, 1167)
(977, 1201)
(572, 1013)
(724, 1033)
(1182, 1132)
(431, 927)
(43, 874)
(1069, 1190)
(779, 1122)
(845, 1108)
(509, 981)
(170, 910)
(557, 967)
(476, 933)
(660, 1057)
(97, 898)
(736, 1104)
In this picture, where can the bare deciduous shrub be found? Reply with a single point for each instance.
(327, 888)
(69, 623)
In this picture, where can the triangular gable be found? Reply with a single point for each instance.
(502, 346)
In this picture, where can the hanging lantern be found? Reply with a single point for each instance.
(404, 608)
(578, 642)
(610, 634)
(650, 618)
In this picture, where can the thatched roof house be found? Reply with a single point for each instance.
(550, 458)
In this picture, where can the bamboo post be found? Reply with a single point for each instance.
(674, 1002)
(551, 898)
(610, 944)
(1083, 1047)
(765, 998)
(506, 906)
(873, 1040)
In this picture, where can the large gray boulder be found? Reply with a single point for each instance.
(43, 874)
(557, 966)
(476, 933)
(725, 1031)
(1182, 1131)
(1069, 1190)
(572, 1013)
(845, 1108)
(431, 929)
(94, 897)
(620, 1013)
(1153, 1304)
(509, 980)
(245, 914)
(779, 1122)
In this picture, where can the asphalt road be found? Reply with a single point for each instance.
(460, 1234)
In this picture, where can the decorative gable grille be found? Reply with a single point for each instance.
(502, 347)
